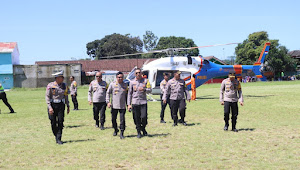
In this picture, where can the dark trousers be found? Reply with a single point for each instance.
(163, 107)
(140, 116)
(4, 99)
(175, 106)
(99, 107)
(234, 110)
(74, 100)
(114, 114)
(57, 118)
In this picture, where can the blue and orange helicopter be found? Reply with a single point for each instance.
(203, 69)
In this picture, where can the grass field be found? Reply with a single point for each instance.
(268, 137)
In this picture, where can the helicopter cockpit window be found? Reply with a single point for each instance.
(206, 61)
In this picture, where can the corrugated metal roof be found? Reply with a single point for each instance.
(7, 47)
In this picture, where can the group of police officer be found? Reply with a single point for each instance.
(118, 94)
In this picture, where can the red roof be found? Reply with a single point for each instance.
(7, 46)
(124, 65)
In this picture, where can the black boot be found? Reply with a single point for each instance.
(162, 121)
(175, 123)
(145, 132)
(226, 126)
(233, 128)
(183, 122)
(58, 140)
(116, 132)
(12, 111)
(139, 135)
(122, 134)
(97, 124)
(102, 126)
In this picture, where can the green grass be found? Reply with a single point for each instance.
(269, 136)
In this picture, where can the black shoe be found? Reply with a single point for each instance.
(226, 127)
(175, 124)
(102, 127)
(58, 140)
(139, 135)
(122, 134)
(97, 126)
(162, 121)
(234, 130)
(180, 121)
(116, 132)
(184, 124)
(12, 111)
(145, 132)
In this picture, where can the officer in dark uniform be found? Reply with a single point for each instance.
(4, 99)
(230, 94)
(56, 99)
(176, 87)
(163, 85)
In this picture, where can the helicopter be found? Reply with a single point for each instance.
(202, 68)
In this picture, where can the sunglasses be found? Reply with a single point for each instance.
(137, 72)
(98, 76)
(119, 77)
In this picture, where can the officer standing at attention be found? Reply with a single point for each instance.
(163, 85)
(97, 94)
(176, 87)
(137, 101)
(56, 99)
(118, 89)
(73, 91)
(4, 99)
(230, 94)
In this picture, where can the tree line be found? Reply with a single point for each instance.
(246, 52)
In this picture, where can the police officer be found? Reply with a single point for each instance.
(163, 85)
(118, 90)
(137, 101)
(97, 94)
(56, 99)
(4, 99)
(230, 94)
(73, 92)
(176, 87)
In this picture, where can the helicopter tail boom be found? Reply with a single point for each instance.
(258, 65)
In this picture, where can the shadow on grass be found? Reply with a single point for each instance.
(83, 140)
(78, 110)
(206, 97)
(247, 129)
(193, 124)
(150, 135)
(74, 126)
(258, 96)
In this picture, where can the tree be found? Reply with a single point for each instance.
(277, 59)
(114, 44)
(149, 40)
(177, 42)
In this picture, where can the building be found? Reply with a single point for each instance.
(9, 56)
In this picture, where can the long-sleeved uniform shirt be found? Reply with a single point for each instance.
(176, 89)
(56, 93)
(97, 91)
(119, 94)
(137, 91)
(73, 88)
(231, 91)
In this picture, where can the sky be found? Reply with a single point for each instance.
(59, 30)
